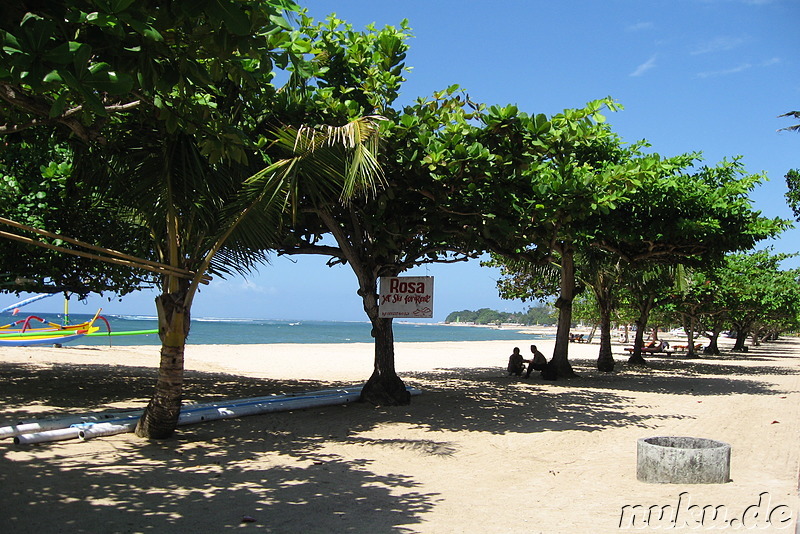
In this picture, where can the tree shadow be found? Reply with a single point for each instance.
(486, 400)
(303, 471)
(222, 475)
(63, 388)
(687, 376)
(273, 469)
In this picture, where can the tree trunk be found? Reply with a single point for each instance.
(559, 366)
(605, 359)
(713, 344)
(160, 417)
(636, 357)
(384, 387)
(741, 338)
(592, 332)
(689, 327)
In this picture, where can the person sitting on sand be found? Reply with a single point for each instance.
(537, 363)
(516, 363)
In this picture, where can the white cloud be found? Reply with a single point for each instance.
(711, 74)
(240, 287)
(640, 26)
(644, 67)
(771, 61)
(720, 44)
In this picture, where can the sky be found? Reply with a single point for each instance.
(692, 75)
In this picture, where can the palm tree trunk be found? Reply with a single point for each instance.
(160, 417)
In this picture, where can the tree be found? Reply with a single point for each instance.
(644, 288)
(173, 101)
(573, 170)
(601, 273)
(401, 226)
(663, 211)
(38, 189)
(758, 294)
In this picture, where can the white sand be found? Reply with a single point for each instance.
(476, 452)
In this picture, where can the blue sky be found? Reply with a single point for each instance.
(692, 75)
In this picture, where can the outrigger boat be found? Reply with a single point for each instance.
(13, 336)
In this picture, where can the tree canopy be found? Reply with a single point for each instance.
(172, 110)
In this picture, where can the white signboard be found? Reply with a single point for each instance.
(406, 297)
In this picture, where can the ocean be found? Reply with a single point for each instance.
(218, 331)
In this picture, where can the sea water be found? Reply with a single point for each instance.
(220, 331)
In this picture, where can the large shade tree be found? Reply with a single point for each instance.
(172, 102)
(757, 294)
(401, 226)
(670, 212)
(568, 201)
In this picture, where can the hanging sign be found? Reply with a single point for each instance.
(406, 297)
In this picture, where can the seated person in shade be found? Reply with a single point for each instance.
(537, 362)
(516, 364)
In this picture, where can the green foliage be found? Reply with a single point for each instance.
(683, 214)
(535, 315)
(39, 188)
(75, 64)
(755, 290)
(793, 194)
(745, 292)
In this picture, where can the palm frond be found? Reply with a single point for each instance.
(794, 128)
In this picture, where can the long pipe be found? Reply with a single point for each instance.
(39, 425)
(49, 435)
(64, 422)
(190, 414)
(122, 333)
(92, 430)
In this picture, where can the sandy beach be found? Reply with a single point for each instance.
(477, 451)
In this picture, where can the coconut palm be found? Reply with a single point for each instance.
(219, 219)
(794, 127)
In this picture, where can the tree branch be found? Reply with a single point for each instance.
(40, 107)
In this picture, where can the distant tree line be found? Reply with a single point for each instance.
(535, 315)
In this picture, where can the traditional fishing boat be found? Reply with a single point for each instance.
(51, 337)
(12, 335)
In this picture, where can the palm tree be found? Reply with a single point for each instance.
(220, 219)
(795, 127)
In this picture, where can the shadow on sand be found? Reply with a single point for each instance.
(279, 469)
